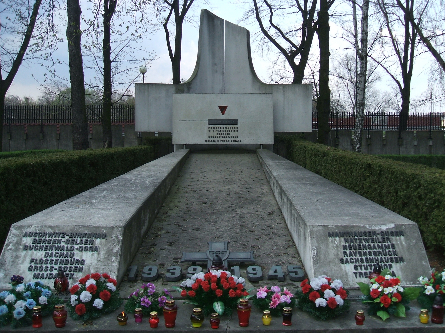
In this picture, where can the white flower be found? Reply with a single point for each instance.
(443, 275)
(20, 288)
(328, 293)
(200, 275)
(388, 277)
(339, 300)
(111, 286)
(90, 281)
(10, 299)
(85, 296)
(217, 273)
(423, 280)
(241, 280)
(320, 302)
(74, 300)
(380, 288)
(20, 304)
(375, 286)
(323, 280)
(399, 288)
(337, 284)
(98, 303)
(187, 283)
(43, 300)
(316, 283)
(388, 290)
(429, 290)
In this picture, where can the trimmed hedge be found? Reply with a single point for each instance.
(434, 161)
(414, 191)
(34, 182)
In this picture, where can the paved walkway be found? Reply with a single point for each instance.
(218, 197)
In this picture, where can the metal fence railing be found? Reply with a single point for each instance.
(61, 114)
(384, 121)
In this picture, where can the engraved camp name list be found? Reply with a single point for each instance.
(51, 251)
(222, 131)
(364, 249)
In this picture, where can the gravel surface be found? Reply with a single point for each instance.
(218, 196)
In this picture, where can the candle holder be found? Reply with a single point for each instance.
(214, 320)
(61, 283)
(59, 315)
(359, 317)
(170, 312)
(138, 315)
(438, 310)
(122, 318)
(197, 317)
(243, 310)
(154, 319)
(266, 318)
(424, 316)
(287, 316)
(37, 316)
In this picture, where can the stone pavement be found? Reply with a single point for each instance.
(225, 196)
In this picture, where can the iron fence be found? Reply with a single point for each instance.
(62, 114)
(384, 121)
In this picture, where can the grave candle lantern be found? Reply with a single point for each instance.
(438, 311)
(359, 317)
(287, 316)
(61, 282)
(154, 319)
(266, 318)
(37, 316)
(243, 311)
(170, 312)
(138, 315)
(59, 315)
(122, 318)
(197, 317)
(214, 320)
(424, 316)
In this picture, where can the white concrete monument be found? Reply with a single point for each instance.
(224, 102)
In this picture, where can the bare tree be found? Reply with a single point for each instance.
(324, 97)
(178, 13)
(403, 49)
(73, 34)
(293, 44)
(426, 39)
(16, 57)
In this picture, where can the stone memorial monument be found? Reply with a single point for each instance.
(224, 102)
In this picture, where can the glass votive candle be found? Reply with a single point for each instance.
(122, 318)
(214, 320)
(266, 318)
(287, 316)
(138, 315)
(154, 319)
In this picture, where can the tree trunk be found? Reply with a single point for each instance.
(324, 98)
(6, 83)
(109, 7)
(176, 61)
(73, 34)
(362, 56)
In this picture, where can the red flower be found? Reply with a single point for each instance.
(398, 296)
(230, 279)
(218, 292)
(213, 286)
(226, 285)
(213, 279)
(332, 303)
(303, 283)
(207, 276)
(183, 293)
(314, 295)
(238, 293)
(395, 281)
(379, 279)
(84, 279)
(232, 293)
(306, 288)
(324, 287)
(80, 309)
(245, 293)
(375, 293)
(198, 281)
(113, 281)
(223, 275)
(205, 287)
(329, 279)
(342, 293)
(95, 276)
(92, 289)
(195, 286)
(191, 293)
(387, 284)
(105, 276)
(385, 300)
(232, 284)
(74, 289)
(437, 287)
(239, 286)
(105, 295)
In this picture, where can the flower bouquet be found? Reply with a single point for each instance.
(431, 288)
(17, 303)
(148, 299)
(95, 294)
(323, 298)
(273, 299)
(216, 291)
(386, 296)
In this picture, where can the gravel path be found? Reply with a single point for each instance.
(218, 197)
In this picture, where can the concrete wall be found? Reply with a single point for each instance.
(32, 137)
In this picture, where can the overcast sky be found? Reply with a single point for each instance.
(28, 82)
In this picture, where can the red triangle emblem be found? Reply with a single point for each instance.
(222, 108)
